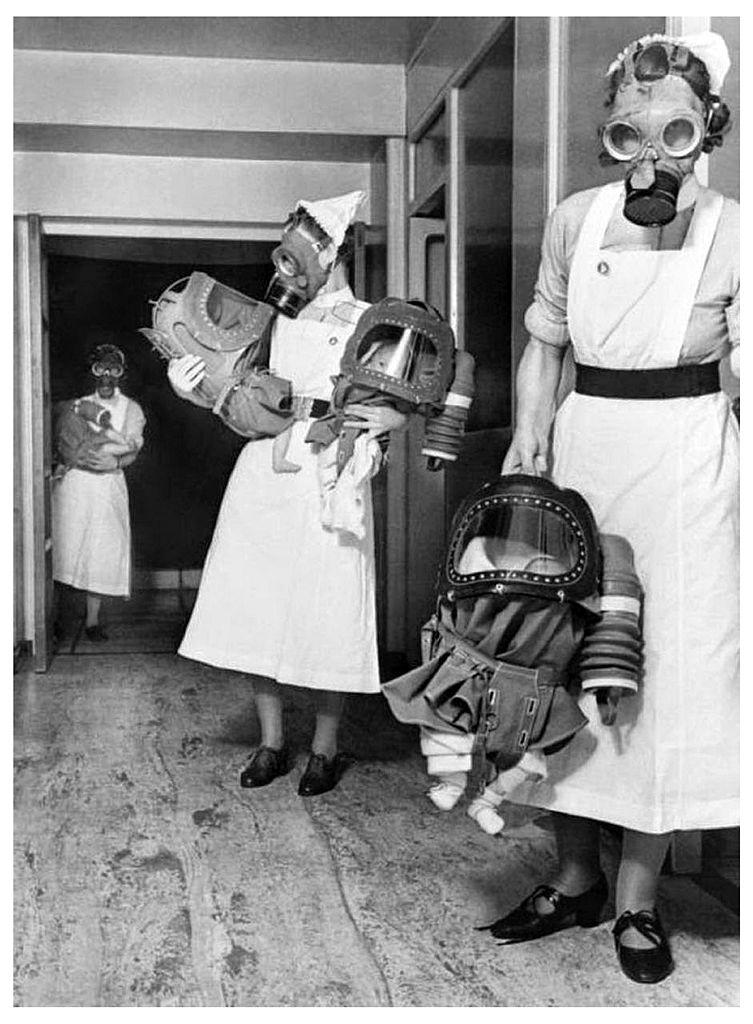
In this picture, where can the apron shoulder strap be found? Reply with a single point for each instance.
(695, 252)
(705, 221)
(597, 218)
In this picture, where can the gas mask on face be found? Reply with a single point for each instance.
(660, 154)
(107, 367)
(311, 245)
(658, 128)
(302, 266)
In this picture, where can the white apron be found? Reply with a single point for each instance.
(91, 527)
(280, 595)
(664, 474)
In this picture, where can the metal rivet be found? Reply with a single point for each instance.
(603, 267)
(333, 341)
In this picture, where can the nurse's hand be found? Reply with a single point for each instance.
(186, 373)
(377, 419)
(99, 462)
(607, 699)
(528, 453)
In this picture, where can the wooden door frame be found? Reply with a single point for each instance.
(32, 450)
(420, 231)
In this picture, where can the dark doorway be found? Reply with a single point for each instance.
(100, 291)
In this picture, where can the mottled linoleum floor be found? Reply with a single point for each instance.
(145, 876)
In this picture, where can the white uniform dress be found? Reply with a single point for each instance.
(91, 527)
(664, 474)
(281, 595)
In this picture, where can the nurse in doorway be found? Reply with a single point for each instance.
(91, 527)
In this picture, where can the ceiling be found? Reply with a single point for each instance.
(351, 40)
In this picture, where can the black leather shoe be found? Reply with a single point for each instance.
(264, 766)
(321, 774)
(95, 633)
(525, 922)
(644, 965)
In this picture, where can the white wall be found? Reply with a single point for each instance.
(197, 93)
(119, 93)
(162, 188)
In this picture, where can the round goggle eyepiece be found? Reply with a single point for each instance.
(285, 263)
(681, 136)
(112, 370)
(621, 140)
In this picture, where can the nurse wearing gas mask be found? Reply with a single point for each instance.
(91, 527)
(281, 597)
(642, 278)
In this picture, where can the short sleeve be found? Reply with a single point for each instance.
(733, 320)
(546, 317)
(732, 310)
(732, 313)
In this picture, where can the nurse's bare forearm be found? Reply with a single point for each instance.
(537, 381)
(192, 397)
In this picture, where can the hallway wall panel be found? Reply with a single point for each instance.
(156, 188)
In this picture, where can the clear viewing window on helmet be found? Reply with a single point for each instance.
(399, 353)
(227, 308)
(520, 539)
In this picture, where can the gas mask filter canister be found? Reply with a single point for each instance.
(655, 206)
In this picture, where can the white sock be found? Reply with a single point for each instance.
(445, 793)
(483, 810)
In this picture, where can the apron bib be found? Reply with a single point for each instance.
(630, 309)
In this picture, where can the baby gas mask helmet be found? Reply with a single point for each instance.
(402, 354)
(308, 250)
(401, 349)
(665, 112)
(530, 596)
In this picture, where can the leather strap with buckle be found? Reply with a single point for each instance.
(305, 408)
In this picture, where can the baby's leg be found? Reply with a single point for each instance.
(448, 759)
(446, 792)
(483, 809)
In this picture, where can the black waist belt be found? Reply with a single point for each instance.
(667, 382)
